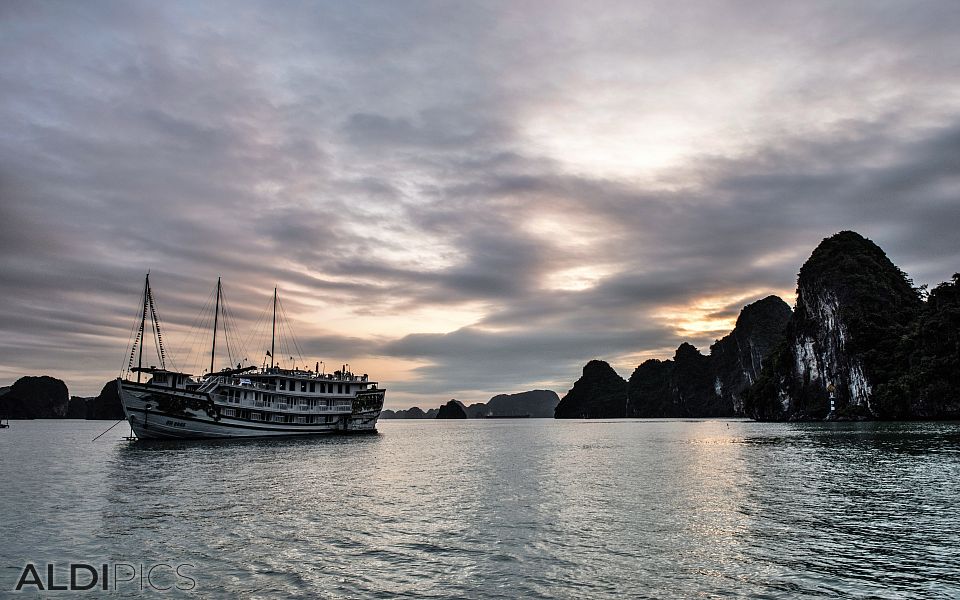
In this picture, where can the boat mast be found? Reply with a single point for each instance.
(216, 315)
(143, 322)
(273, 334)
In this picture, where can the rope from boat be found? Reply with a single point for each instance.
(108, 429)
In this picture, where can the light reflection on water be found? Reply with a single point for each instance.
(502, 509)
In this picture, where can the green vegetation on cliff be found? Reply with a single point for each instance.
(927, 384)
(862, 333)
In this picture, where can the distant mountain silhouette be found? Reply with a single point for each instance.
(533, 403)
(35, 398)
(46, 397)
(536, 403)
(451, 410)
(599, 393)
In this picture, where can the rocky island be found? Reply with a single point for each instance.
(864, 337)
(46, 397)
(861, 343)
(532, 403)
(451, 410)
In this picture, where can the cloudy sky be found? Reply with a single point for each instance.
(458, 198)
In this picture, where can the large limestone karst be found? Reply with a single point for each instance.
(536, 403)
(854, 306)
(599, 393)
(694, 385)
(451, 410)
(106, 405)
(35, 398)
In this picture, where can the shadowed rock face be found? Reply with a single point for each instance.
(35, 398)
(651, 391)
(411, 413)
(107, 404)
(414, 413)
(738, 358)
(77, 408)
(853, 308)
(694, 385)
(478, 410)
(599, 393)
(927, 388)
(452, 410)
(536, 403)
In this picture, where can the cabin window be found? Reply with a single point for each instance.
(339, 388)
(348, 388)
(283, 384)
(312, 386)
(303, 386)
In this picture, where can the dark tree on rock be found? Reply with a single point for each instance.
(928, 386)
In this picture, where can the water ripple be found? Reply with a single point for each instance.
(503, 509)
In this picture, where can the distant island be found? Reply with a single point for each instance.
(861, 343)
(45, 397)
(533, 403)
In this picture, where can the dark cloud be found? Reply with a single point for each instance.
(486, 195)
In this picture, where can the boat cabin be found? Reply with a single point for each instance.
(165, 378)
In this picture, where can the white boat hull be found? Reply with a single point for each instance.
(198, 416)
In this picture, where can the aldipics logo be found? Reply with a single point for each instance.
(81, 577)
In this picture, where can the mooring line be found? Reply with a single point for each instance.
(108, 429)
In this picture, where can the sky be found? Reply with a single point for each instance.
(459, 198)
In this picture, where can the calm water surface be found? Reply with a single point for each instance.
(501, 509)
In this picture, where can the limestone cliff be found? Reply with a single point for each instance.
(738, 358)
(35, 398)
(853, 307)
(451, 410)
(536, 403)
(599, 393)
(107, 404)
(694, 385)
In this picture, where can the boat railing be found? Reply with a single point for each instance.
(209, 384)
(248, 384)
(333, 407)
